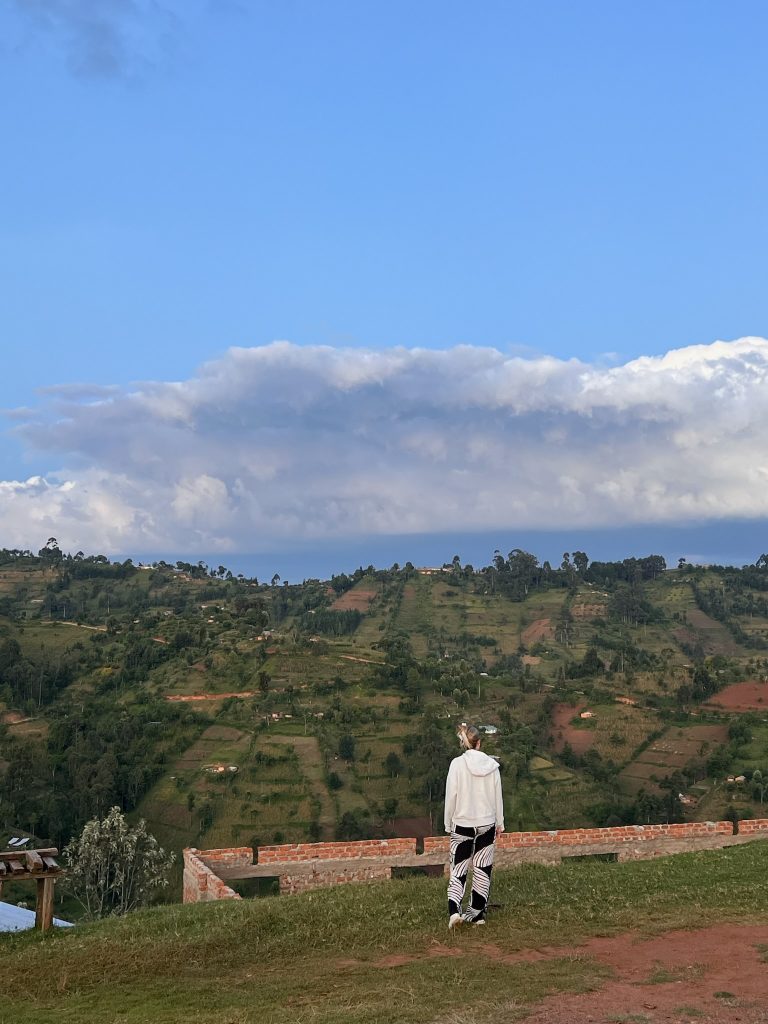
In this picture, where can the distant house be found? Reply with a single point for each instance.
(587, 714)
(626, 700)
(489, 730)
(427, 571)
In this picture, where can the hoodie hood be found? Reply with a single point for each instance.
(479, 763)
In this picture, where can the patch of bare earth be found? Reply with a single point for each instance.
(541, 629)
(190, 698)
(13, 717)
(750, 695)
(713, 635)
(564, 732)
(712, 975)
(358, 600)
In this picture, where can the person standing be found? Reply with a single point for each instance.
(474, 817)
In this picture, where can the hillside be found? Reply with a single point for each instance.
(228, 711)
(380, 954)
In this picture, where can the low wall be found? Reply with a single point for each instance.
(292, 852)
(302, 866)
(201, 883)
(627, 842)
(326, 874)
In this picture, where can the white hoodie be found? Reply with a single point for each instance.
(473, 792)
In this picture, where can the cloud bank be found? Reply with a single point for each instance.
(269, 445)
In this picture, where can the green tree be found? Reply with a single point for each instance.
(393, 765)
(113, 868)
(347, 747)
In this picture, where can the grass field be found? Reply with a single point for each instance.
(270, 793)
(372, 954)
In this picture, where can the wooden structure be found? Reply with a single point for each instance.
(38, 866)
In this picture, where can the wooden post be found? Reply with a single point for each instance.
(44, 905)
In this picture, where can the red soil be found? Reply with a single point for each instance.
(13, 717)
(722, 959)
(580, 739)
(541, 629)
(358, 599)
(748, 696)
(713, 975)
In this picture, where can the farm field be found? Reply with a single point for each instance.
(425, 652)
(359, 598)
(615, 731)
(268, 793)
(671, 752)
(750, 695)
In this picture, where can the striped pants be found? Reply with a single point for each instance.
(471, 847)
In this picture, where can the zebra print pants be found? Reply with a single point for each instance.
(471, 847)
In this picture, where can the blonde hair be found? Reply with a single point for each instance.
(469, 736)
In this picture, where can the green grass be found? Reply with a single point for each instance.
(662, 975)
(368, 954)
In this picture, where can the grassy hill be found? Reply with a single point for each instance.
(227, 711)
(380, 954)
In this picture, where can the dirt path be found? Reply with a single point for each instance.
(711, 975)
(186, 698)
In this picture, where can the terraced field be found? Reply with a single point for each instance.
(672, 751)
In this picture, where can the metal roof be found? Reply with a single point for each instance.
(16, 919)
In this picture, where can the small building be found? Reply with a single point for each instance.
(587, 714)
(489, 730)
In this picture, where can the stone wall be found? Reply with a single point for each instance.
(303, 866)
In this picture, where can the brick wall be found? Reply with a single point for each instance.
(295, 852)
(236, 857)
(305, 866)
(201, 883)
(753, 827)
(559, 838)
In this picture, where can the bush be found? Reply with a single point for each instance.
(113, 868)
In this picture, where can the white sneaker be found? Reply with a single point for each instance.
(454, 921)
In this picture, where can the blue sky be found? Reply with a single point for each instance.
(550, 181)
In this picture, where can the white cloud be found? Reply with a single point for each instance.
(269, 444)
